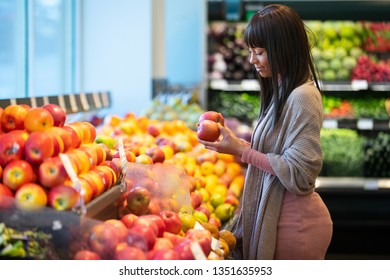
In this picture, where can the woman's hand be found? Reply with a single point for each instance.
(227, 143)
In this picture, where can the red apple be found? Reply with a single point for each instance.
(105, 174)
(87, 131)
(147, 232)
(232, 199)
(172, 221)
(153, 130)
(12, 146)
(154, 206)
(204, 210)
(86, 255)
(203, 237)
(125, 252)
(148, 223)
(138, 240)
(90, 151)
(107, 150)
(100, 152)
(129, 219)
(212, 116)
(138, 199)
(130, 156)
(157, 220)
(52, 172)
(162, 243)
(58, 143)
(208, 131)
(38, 147)
(164, 254)
(103, 239)
(183, 248)
(114, 166)
(38, 119)
(6, 197)
(156, 154)
(58, 114)
(120, 226)
(196, 199)
(31, 196)
(17, 173)
(75, 136)
(13, 118)
(62, 197)
(174, 238)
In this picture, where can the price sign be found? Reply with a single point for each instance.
(359, 85)
(330, 124)
(365, 124)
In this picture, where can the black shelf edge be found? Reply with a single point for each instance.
(362, 183)
(71, 103)
(358, 124)
(345, 86)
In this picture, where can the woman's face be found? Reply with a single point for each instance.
(258, 58)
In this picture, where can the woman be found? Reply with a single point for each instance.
(282, 217)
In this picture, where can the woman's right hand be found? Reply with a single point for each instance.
(227, 143)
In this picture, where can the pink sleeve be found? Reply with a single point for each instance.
(257, 159)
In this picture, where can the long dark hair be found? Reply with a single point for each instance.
(281, 32)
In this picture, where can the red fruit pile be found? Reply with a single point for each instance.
(371, 71)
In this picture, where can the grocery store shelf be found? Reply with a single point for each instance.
(353, 182)
(358, 124)
(103, 207)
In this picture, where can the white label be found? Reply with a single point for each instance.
(330, 124)
(61, 102)
(250, 85)
(46, 100)
(33, 102)
(197, 251)
(84, 101)
(219, 84)
(198, 226)
(359, 84)
(366, 124)
(73, 103)
(12, 101)
(215, 244)
(371, 185)
(97, 101)
(106, 102)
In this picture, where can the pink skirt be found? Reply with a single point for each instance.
(305, 228)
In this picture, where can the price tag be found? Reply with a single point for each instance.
(197, 251)
(219, 84)
(84, 101)
(124, 163)
(198, 226)
(33, 101)
(97, 101)
(45, 100)
(215, 244)
(365, 124)
(106, 102)
(61, 103)
(80, 207)
(359, 84)
(250, 85)
(371, 185)
(73, 103)
(330, 124)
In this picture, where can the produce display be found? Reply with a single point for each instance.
(175, 191)
(342, 50)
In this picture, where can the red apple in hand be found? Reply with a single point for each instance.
(172, 221)
(6, 197)
(212, 116)
(31, 196)
(38, 119)
(63, 197)
(13, 118)
(58, 114)
(208, 131)
(17, 173)
(138, 199)
(38, 147)
(86, 255)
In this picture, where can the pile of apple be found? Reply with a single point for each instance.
(213, 181)
(150, 237)
(31, 170)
